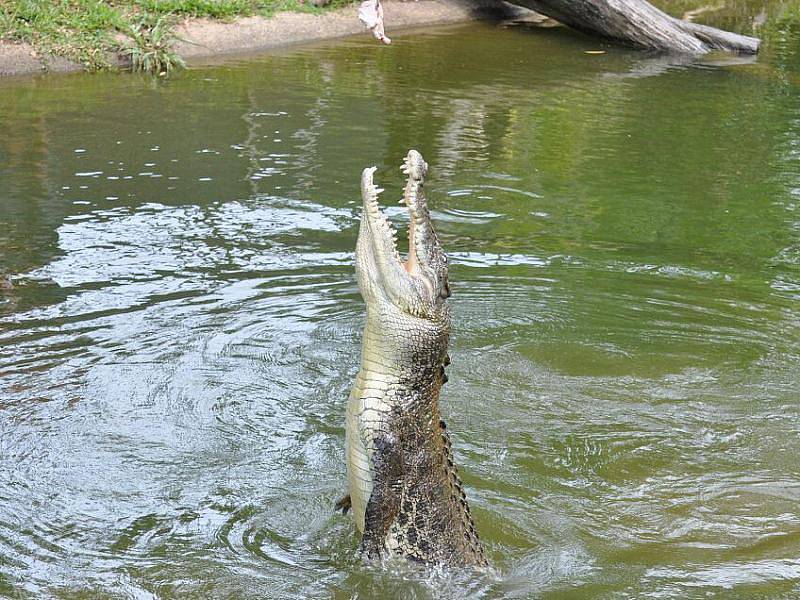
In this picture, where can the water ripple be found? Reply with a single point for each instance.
(180, 323)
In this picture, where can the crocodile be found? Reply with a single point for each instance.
(404, 491)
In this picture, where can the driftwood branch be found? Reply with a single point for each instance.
(639, 23)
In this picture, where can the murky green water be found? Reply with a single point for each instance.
(184, 324)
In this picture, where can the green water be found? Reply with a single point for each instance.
(184, 324)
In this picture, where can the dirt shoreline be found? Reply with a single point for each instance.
(207, 38)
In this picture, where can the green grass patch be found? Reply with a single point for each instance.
(89, 30)
(77, 29)
(216, 9)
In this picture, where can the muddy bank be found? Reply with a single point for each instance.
(21, 59)
(205, 38)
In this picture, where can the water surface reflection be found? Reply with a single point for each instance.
(184, 325)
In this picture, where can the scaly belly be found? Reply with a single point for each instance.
(366, 411)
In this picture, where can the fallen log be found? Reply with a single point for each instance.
(633, 22)
(639, 23)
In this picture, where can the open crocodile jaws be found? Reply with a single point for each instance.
(406, 497)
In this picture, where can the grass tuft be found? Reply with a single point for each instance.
(150, 45)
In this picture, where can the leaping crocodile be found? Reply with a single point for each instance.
(405, 494)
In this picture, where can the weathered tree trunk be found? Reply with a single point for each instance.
(639, 23)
